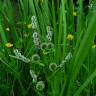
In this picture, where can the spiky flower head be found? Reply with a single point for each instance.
(20, 56)
(50, 46)
(36, 58)
(53, 66)
(43, 46)
(49, 33)
(40, 85)
(34, 22)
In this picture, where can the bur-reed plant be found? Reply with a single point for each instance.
(47, 48)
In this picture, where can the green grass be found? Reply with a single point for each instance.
(22, 70)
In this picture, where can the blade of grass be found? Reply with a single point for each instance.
(88, 37)
(85, 84)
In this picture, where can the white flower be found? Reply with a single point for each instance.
(19, 56)
(49, 33)
(34, 22)
(36, 39)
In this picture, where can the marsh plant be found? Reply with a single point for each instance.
(47, 47)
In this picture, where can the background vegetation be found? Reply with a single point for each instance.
(47, 48)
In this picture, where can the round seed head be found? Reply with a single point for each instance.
(43, 46)
(36, 58)
(52, 66)
(50, 46)
(40, 85)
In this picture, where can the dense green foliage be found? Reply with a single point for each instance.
(47, 48)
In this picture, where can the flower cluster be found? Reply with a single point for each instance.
(49, 33)
(36, 39)
(20, 56)
(34, 22)
(45, 47)
(40, 84)
(35, 36)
